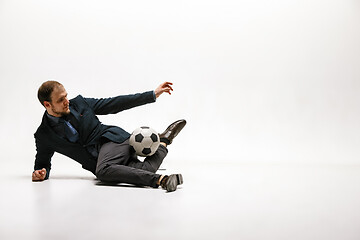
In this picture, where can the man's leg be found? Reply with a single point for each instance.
(151, 163)
(116, 163)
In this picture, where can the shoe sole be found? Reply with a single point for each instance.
(181, 128)
(179, 179)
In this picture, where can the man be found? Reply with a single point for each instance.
(71, 127)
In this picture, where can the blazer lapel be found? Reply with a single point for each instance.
(52, 134)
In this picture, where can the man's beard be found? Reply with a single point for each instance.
(62, 114)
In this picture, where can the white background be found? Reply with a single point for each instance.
(270, 90)
(257, 81)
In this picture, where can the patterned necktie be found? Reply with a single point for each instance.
(70, 132)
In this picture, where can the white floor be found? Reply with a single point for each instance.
(216, 201)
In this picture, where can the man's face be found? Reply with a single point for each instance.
(59, 105)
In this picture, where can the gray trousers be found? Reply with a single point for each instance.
(117, 163)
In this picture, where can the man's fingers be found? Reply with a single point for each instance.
(39, 174)
(169, 87)
(167, 83)
(34, 177)
(37, 179)
(168, 90)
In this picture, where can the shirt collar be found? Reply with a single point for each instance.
(53, 119)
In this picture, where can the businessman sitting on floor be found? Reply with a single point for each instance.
(71, 127)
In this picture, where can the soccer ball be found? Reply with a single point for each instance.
(145, 141)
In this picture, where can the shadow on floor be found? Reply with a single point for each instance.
(109, 184)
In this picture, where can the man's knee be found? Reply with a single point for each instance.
(100, 172)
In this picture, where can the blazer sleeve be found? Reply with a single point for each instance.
(103, 106)
(43, 157)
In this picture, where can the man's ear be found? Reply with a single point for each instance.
(47, 104)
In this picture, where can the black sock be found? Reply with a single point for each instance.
(164, 180)
(165, 140)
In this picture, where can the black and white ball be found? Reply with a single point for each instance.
(145, 141)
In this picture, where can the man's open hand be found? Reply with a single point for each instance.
(39, 175)
(164, 87)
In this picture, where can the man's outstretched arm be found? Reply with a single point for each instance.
(117, 104)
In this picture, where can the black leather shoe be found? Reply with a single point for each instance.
(172, 131)
(170, 183)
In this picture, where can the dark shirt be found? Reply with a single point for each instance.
(56, 125)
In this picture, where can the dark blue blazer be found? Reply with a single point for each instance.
(89, 127)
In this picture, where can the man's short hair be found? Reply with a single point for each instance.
(45, 90)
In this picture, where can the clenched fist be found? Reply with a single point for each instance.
(39, 175)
